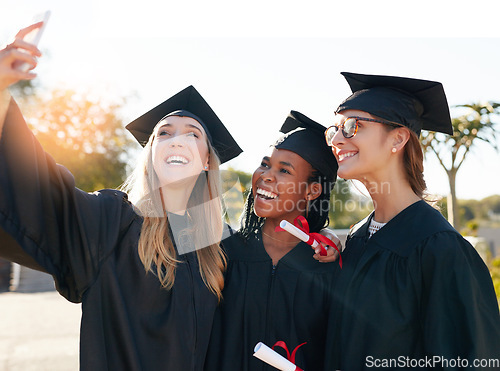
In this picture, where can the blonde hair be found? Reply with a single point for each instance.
(156, 249)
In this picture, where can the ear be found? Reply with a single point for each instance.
(314, 191)
(206, 165)
(399, 138)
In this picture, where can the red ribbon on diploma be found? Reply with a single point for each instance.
(301, 223)
(290, 357)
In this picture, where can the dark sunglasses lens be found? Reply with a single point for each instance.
(349, 127)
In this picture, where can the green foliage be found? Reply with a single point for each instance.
(471, 228)
(481, 212)
(235, 186)
(346, 208)
(231, 175)
(494, 202)
(442, 206)
(473, 125)
(466, 213)
(83, 134)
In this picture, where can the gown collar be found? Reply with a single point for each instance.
(400, 233)
(300, 257)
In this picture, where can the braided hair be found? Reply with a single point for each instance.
(316, 214)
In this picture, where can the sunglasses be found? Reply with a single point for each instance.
(350, 128)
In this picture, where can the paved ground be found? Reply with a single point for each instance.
(38, 332)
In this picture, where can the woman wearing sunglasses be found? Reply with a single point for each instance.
(149, 275)
(412, 291)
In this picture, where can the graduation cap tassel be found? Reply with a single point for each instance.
(300, 229)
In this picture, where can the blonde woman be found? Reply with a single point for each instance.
(148, 270)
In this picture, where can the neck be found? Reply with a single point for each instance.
(273, 222)
(390, 197)
(269, 229)
(175, 199)
(277, 244)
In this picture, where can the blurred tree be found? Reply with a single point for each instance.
(23, 89)
(235, 185)
(347, 208)
(466, 213)
(495, 275)
(485, 212)
(442, 205)
(475, 124)
(494, 205)
(471, 228)
(82, 133)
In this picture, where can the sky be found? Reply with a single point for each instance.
(255, 62)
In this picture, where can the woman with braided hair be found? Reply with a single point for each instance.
(275, 292)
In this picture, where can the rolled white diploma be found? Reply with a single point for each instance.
(266, 354)
(301, 235)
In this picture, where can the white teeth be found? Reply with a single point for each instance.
(177, 160)
(346, 155)
(265, 193)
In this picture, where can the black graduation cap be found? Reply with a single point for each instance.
(306, 138)
(416, 104)
(190, 103)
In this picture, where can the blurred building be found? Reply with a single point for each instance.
(29, 280)
(492, 235)
(14, 277)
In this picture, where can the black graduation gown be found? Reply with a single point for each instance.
(88, 243)
(415, 289)
(264, 304)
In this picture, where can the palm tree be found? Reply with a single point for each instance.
(474, 125)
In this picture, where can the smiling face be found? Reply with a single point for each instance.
(365, 155)
(280, 185)
(180, 150)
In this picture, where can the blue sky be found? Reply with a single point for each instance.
(255, 63)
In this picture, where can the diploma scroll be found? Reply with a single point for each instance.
(266, 354)
(300, 229)
(301, 235)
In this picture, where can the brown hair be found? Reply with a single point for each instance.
(156, 249)
(413, 162)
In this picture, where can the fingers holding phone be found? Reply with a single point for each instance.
(26, 39)
(30, 36)
(18, 58)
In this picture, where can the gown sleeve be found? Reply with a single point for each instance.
(61, 229)
(11, 250)
(460, 315)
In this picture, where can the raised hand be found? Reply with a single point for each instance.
(16, 54)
